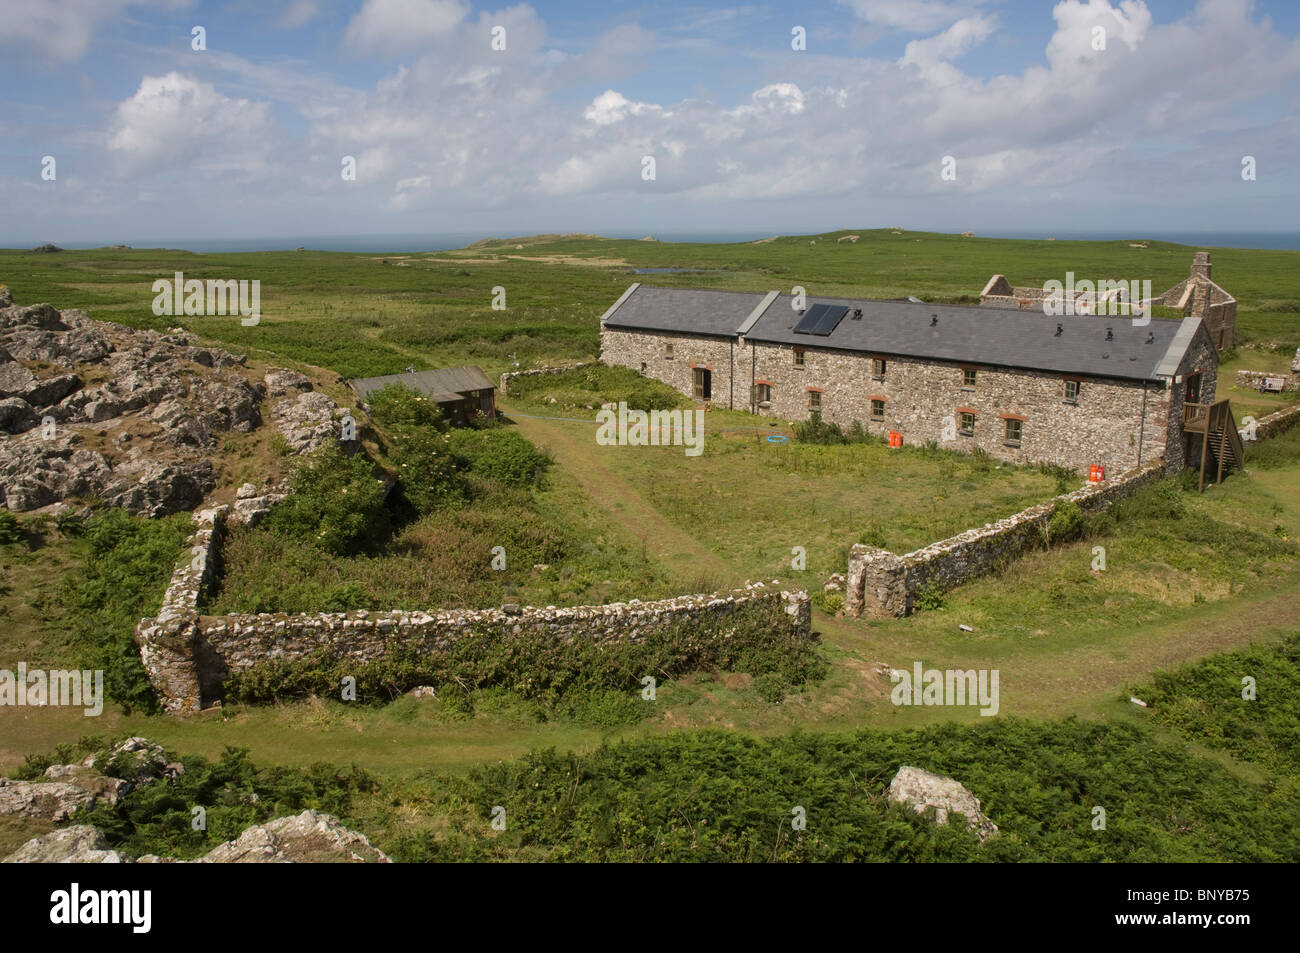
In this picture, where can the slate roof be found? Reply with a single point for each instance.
(444, 385)
(684, 310)
(995, 337)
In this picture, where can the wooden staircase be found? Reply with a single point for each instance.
(1215, 429)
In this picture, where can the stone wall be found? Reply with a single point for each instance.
(880, 583)
(188, 656)
(510, 376)
(1278, 422)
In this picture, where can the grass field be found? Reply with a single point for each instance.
(1187, 575)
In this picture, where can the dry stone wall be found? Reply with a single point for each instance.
(880, 583)
(1278, 422)
(510, 376)
(188, 656)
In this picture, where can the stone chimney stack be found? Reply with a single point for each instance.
(1201, 264)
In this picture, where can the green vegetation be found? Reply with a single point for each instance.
(1213, 704)
(553, 672)
(336, 503)
(127, 562)
(595, 384)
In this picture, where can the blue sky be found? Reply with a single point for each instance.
(152, 139)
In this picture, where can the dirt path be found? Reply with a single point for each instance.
(575, 448)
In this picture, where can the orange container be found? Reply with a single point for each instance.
(1096, 473)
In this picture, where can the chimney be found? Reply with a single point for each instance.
(1201, 264)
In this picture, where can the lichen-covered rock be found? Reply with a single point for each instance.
(924, 790)
(57, 800)
(306, 838)
(280, 382)
(80, 844)
(305, 421)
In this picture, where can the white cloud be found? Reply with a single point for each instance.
(298, 14)
(912, 16)
(401, 26)
(610, 107)
(63, 29)
(177, 122)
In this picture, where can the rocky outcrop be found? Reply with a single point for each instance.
(68, 789)
(252, 505)
(81, 844)
(137, 436)
(923, 790)
(305, 420)
(306, 838)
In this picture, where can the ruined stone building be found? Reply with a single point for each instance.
(1197, 297)
(1027, 388)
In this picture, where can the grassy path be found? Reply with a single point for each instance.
(575, 449)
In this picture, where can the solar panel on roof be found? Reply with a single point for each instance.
(810, 319)
(830, 318)
(820, 319)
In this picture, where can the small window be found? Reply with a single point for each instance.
(968, 377)
(814, 400)
(1071, 392)
(966, 427)
(643, 367)
(1013, 431)
(877, 410)
(762, 394)
(668, 350)
(878, 368)
(798, 357)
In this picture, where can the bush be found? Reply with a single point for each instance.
(1066, 522)
(336, 502)
(398, 407)
(427, 471)
(930, 596)
(10, 531)
(816, 430)
(500, 454)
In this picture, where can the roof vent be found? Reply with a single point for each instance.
(1060, 329)
(1107, 354)
(934, 319)
(1110, 334)
(857, 314)
(1151, 337)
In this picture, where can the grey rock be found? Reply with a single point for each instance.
(924, 790)
(309, 837)
(80, 844)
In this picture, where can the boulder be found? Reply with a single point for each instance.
(309, 837)
(80, 844)
(16, 415)
(924, 790)
(15, 380)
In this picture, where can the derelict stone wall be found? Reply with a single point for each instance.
(880, 583)
(1278, 422)
(188, 656)
(509, 376)
(1252, 378)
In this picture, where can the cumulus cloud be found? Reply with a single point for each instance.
(177, 122)
(912, 16)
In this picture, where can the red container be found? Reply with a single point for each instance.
(1096, 473)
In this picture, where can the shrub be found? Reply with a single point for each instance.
(10, 531)
(426, 469)
(930, 596)
(398, 407)
(500, 454)
(336, 502)
(816, 430)
(1065, 523)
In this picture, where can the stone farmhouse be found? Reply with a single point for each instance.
(1027, 388)
(1197, 296)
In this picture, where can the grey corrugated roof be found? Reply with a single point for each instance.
(684, 310)
(444, 385)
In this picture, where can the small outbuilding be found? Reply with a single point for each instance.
(461, 392)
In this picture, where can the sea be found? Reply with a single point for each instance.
(410, 243)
